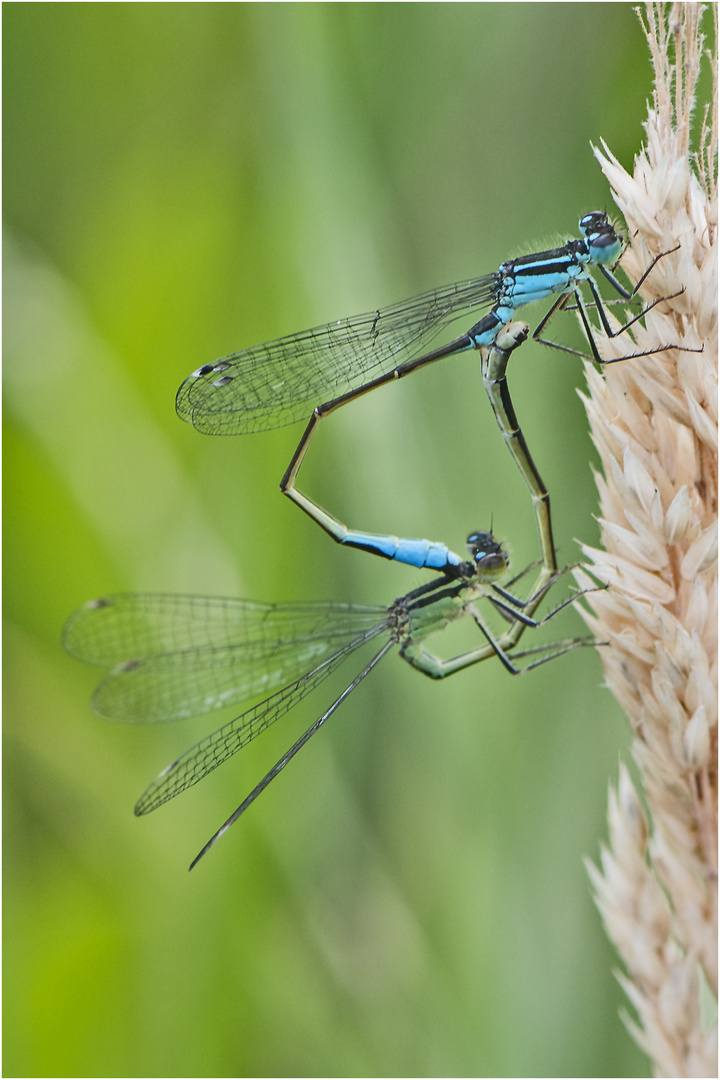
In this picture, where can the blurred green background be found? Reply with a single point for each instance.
(183, 180)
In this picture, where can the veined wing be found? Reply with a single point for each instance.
(277, 383)
(290, 754)
(216, 748)
(174, 657)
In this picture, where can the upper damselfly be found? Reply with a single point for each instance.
(313, 373)
(280, 382)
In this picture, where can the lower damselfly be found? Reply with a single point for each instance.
(175, 657)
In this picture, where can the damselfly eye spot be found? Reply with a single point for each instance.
(595, 219)
(224, 381)
(479, 538)
(482, 543)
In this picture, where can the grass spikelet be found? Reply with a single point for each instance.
(654, 423)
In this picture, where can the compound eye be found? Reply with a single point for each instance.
(481, 541)
(480, 544)
(595, 221)
(485, 551)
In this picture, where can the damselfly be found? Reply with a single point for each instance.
(317, 371)
(173, 657)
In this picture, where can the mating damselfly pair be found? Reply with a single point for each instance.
(171, 657)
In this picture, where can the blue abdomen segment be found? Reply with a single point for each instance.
(423, 554)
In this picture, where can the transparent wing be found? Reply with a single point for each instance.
(290, 754)
(280, 382)
(173, 657)
(216, 748)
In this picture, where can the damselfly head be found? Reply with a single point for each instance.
(489, 558)
(600, 235)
